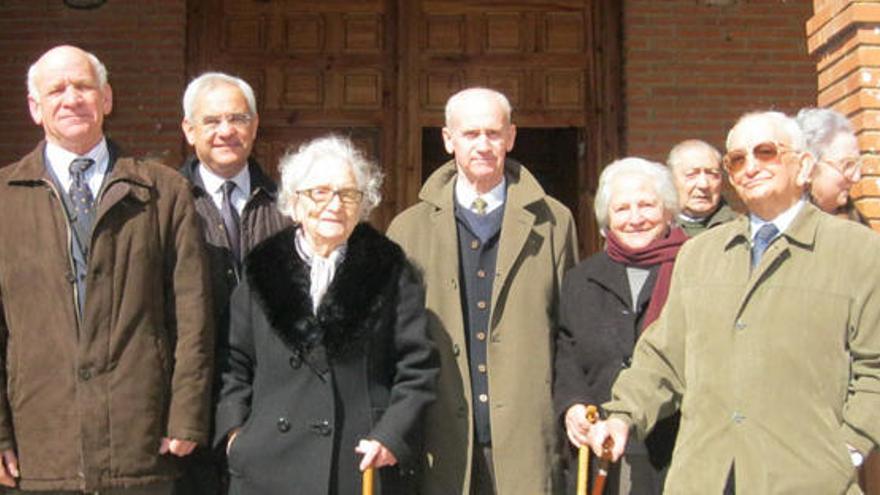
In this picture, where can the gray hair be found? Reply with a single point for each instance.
(97, 67)
(455, 101)
(296, 166)
(820, 126)
(778, 120)
(211, 80)
(675, 159)
(658, 175)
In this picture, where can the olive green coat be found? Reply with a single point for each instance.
(777, 370)
(537, 245)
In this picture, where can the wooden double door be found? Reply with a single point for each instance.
(380, 71)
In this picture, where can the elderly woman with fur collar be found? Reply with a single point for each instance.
(329, 367)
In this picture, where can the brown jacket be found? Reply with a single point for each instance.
(86, 403)
(537, 245)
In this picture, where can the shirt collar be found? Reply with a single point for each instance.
(782, 221)
(214, 183)
(59, 160)
(465, 194)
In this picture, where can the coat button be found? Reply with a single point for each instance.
(481, 335)
(456, 350)
(322, 428)
(283, 425)
(740, 325)
(85, 374)
(738, 417)
(295, 361)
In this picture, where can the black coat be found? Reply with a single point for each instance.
(305, 388)
(598, 331)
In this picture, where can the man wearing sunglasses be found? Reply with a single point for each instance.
(768, 343)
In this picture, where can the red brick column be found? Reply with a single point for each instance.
(844, 38)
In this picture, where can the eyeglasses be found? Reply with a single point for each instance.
(734, 161)
(847, 167)
(239, 121)
(324, 195)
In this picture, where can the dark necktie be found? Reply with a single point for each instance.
(765, 235)
(82, 200)
(230, 219)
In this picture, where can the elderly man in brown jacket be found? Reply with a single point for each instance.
(769, 343)
(492, 247)
(105, 328)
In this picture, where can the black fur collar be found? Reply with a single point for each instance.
(364, 284)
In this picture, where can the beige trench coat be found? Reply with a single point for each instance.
(776, 371)
(537, 245)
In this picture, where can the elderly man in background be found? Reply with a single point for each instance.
(492, 247)
(696, 168)
(833, 143)
(235, 201)
(769, 340)
(106, 327)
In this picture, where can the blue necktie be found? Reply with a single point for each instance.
(82, 200)
(765, 235)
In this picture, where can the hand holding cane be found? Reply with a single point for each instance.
(584, 455)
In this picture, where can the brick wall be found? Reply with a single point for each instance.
(692, 69)
(141, 42)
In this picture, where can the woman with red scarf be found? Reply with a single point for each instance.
(607, 301)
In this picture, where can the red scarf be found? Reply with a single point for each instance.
(660, 251)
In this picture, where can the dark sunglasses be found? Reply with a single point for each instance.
(734, 161)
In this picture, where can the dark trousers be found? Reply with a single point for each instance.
(482, 471)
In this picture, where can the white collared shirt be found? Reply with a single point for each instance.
(782, 221)
(214, 186)
(465, 195)
(58, 159)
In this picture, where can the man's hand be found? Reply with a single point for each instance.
(8, 468)
(602, 430)
(375, 455)
(180, 448)
(576, 425)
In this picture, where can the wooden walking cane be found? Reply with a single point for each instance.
(604, 465)
(584, 455)
(367, 482)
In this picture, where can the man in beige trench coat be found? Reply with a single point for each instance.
(492, 248)
(769, 342)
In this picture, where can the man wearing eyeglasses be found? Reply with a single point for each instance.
(105, 330)
(833, 143)
(493, 247)
(235, 201)
(696, 169)
(768, 343)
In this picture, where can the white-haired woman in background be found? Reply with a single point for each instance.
(329, 366)
(608, 300)
(832, 141)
